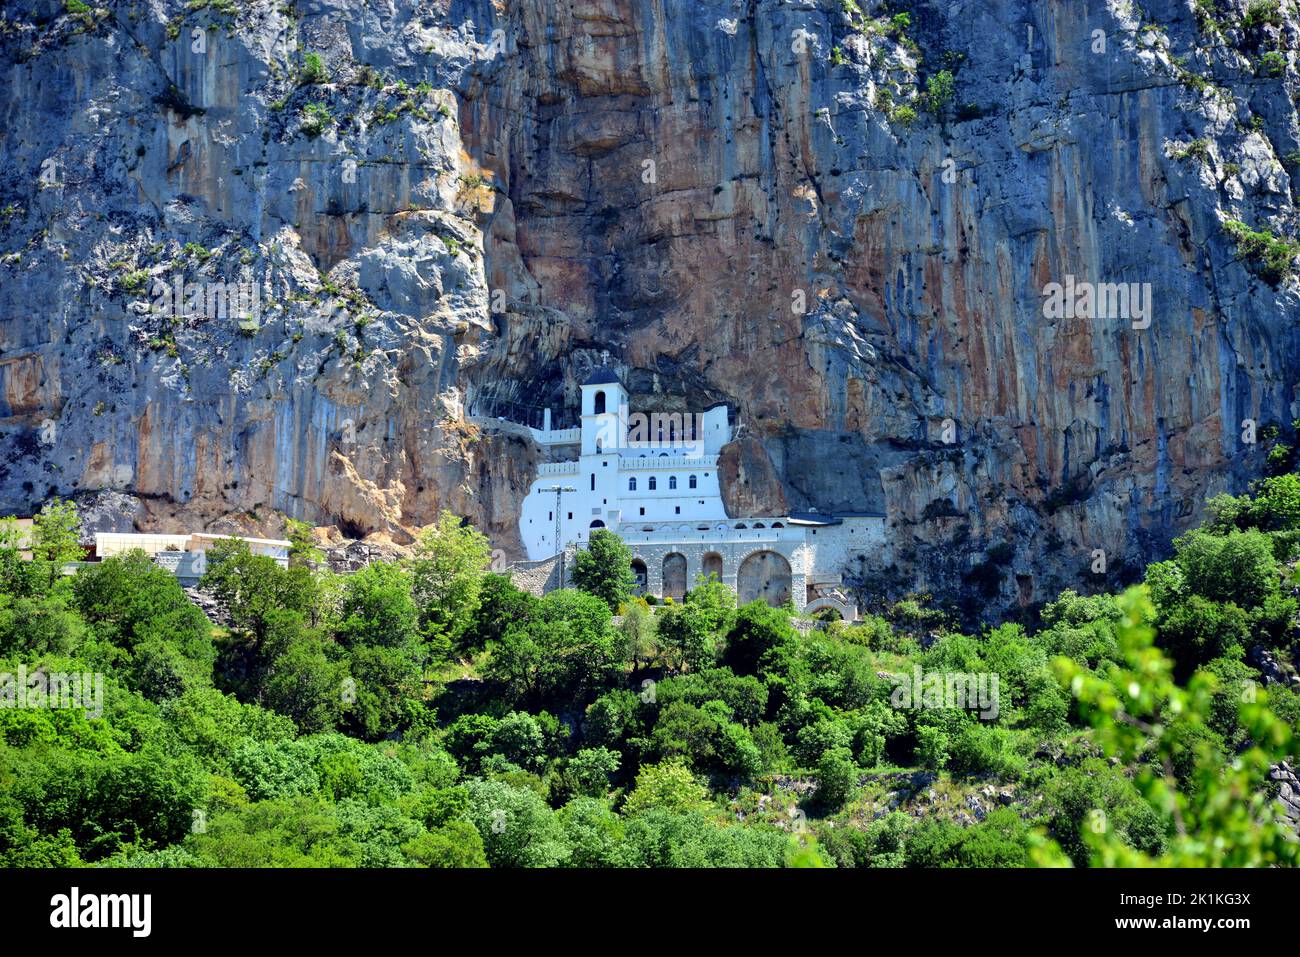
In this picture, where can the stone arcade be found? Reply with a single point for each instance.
(653, 480)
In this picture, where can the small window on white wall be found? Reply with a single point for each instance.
(653, 483)
(593, 481)
(672, 482)
(631, 484)
(693, 482)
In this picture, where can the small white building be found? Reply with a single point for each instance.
(653, 479)
(184, 555)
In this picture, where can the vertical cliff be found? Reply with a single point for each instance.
(839, 218)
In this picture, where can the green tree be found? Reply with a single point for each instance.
(303, 549)
(1196, 631)
(501, 604)
(14, 570)
(1237, 567)
(450, 563)
(55, 539)
(691, 632)
(302, 831)
(304, 685)
(932, 747)
(939, 91)
(592, 770)
(516, 826)
(604, 569)
(128, 597)
(457, 844)
(593, 831)
(836, 777)
(759, 630)
(566, 652)
(1210, 802)
(519, 738)
(669, 786)
(640, 633)
(386, 692)
(252, 588)
(377, 608)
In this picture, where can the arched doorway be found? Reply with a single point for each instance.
(641, 574)
(597, 523)
(825, 607)
(764, 575)
(675, 576)
(712, 565)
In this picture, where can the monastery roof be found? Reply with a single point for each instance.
(826, 518)
(813, 518)
(601, 376)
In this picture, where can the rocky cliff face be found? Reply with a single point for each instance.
(454, 206)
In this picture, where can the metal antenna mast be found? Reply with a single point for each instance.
(559, 490)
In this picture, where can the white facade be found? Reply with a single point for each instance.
(630, 469)
(186, 556)
(653, 479)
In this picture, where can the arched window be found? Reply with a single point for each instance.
(631, 484)
(600, 402)
(672, 482)
(653, 483)
(693, 482)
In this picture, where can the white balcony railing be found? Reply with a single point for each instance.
(628, 463)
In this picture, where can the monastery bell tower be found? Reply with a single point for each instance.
(604, 412)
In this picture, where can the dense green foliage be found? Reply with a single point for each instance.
(427, 713)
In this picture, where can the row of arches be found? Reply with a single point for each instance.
(762, 575)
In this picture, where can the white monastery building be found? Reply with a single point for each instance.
(653, 480)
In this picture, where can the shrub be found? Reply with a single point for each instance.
(836, 777)
(316, 119)
(1269, 255)
(904, 116)
(1272, 64)
(313, 69)
(939, 91)
(1262, 12)
(1238, 567)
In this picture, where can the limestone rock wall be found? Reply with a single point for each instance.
(470, 200)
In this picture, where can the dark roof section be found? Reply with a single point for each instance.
(813, 518)
(601, 376)
(826, 518)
